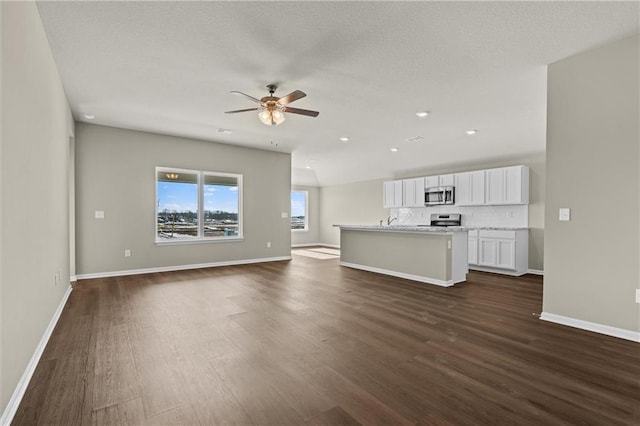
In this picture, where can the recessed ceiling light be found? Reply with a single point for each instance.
(89, 116)
(422, 114)
(226, 131)
(344, 138)
(471, 132)
(394, 149)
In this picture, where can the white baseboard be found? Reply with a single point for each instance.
(73, 278)
(634, 336)
(535, 271)
(399, 274)
(336, 246)
(18, 393)
(179, 267)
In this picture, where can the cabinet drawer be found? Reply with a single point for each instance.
(495, 233)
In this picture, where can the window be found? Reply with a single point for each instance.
(194, 206)
(299, 208)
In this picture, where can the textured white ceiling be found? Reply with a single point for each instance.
(368, 67)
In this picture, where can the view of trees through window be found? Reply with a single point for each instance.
(299, 210)
(197, 205)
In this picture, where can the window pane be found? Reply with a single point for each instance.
(299, 210)
(220, 206)
(177, 205)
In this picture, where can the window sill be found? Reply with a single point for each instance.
(198, 241)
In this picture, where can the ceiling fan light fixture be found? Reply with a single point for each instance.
(271, 116)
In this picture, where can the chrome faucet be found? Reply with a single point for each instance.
(390, 219)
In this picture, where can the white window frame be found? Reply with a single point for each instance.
(200, 238)
(306, 211)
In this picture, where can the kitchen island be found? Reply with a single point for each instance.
(433, 255)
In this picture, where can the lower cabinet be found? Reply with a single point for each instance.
(503, 251)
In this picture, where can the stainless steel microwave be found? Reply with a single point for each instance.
(439, 195)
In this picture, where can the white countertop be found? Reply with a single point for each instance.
(415, 228)
(404, 228)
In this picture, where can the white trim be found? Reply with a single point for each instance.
(315, 245)
(400, 274)
(634, 336)
(535, 271)
(73, 278)
(179, 267)
(496, 270)
(18, 393)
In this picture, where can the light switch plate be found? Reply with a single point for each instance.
(564, 214)
(284, 215)
(99, 214)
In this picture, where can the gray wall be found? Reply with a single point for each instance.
(34, 191)
(115, 173)
(358, 203)
(312, 236)
(345, 203)
(591, 269)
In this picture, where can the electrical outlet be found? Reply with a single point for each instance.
(127, 253)
(564, 214)
(637, 295)
(268, 244)
(99, 214)
(284, 215)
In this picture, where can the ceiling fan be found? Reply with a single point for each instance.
(272, 108)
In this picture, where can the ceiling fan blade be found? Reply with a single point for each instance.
(235, 92)
(306, 112)
(293, 96)
(241, 110)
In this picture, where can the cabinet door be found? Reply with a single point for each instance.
(473, 250)
(487, 252)
(446, 180)
(388, 196)
(516, 184)
(494, 186)
(397, 193)
(506, 254)
(469, 187)
(431, 181)
(413, 192)
(409, 192)
(462, 183)
(476, 188)
(419, 192)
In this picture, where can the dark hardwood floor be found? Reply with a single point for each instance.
(310, 342)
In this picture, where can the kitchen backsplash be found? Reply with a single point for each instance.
(507, 216)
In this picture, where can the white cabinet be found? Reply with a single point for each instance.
(507, 185)
(469, 187)
(413, 192)
(473, 247)
(504, 251)
(431, 181)
(497, 253)
(446, 180)
(440, 180)
(392, 196)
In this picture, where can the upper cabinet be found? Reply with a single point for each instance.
(393, 193)
(469, 187)
(507, 185)
(501, 186)
(441, 180)
(413, 192)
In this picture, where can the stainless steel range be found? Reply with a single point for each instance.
(450, 219)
